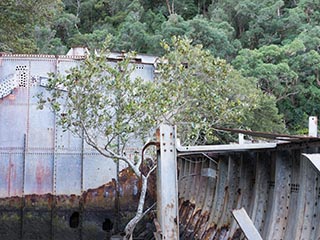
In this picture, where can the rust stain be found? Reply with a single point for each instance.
(222, 232)
(11, 178)
(194, 224)
(43, 175)
(11, 97)
(191, 225)
(170, 206)
(43, 201)
(10, 202)
(94, 205)
(39, 176)
(102, 197)
(105, 195)
(210, 233)
(201, 225)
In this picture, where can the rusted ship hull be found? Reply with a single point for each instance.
(96, 214)
(279, 189)
(54, 186)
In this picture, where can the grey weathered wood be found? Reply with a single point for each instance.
(246, 224)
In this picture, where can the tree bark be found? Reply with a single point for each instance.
(134, 221)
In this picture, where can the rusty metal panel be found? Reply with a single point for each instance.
(67, 142)
(9, 65)
(68, 163)
(11, 174)
(233, 179)
(207, 204)
(188, 206)
(279, 210)
(13, 119)
(97, 170)
(196, 175)
(295, 183)
(308, 198)
(208, 172)
(167, 186)
(144, 71)
(183, 178)
(68, 174)
(261, 190)
(247, 176)
(200, 213)
(64, 65)
(47, 175)
(41, 67)
(38, 173)
(220, 192)
(41, 136)
(280, 189)
(195, 196)
(315, 227)
(245, 196)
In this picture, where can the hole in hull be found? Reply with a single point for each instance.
(107, 225)
(74, 220)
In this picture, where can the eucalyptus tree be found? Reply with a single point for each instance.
(132, 33)
(18, 20)
(290, 73)
(216, 37)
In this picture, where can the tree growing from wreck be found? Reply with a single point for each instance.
(102, 103)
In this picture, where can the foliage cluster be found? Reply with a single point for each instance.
(192, 89)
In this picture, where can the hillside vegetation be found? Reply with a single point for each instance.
(275, 43)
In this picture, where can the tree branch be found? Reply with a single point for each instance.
(287, 95)
(168, 7)
(110, 153)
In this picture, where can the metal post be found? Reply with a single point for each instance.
(167, 184)
(241, 138)
(23, 205)
(54, 177)
(313, 126)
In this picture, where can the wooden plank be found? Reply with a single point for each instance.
(246, 224)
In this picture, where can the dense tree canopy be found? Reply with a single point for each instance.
(275, 42)
(20, 21)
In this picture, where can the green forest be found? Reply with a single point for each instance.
(272, 42)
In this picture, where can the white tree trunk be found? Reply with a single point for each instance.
(134, 221)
